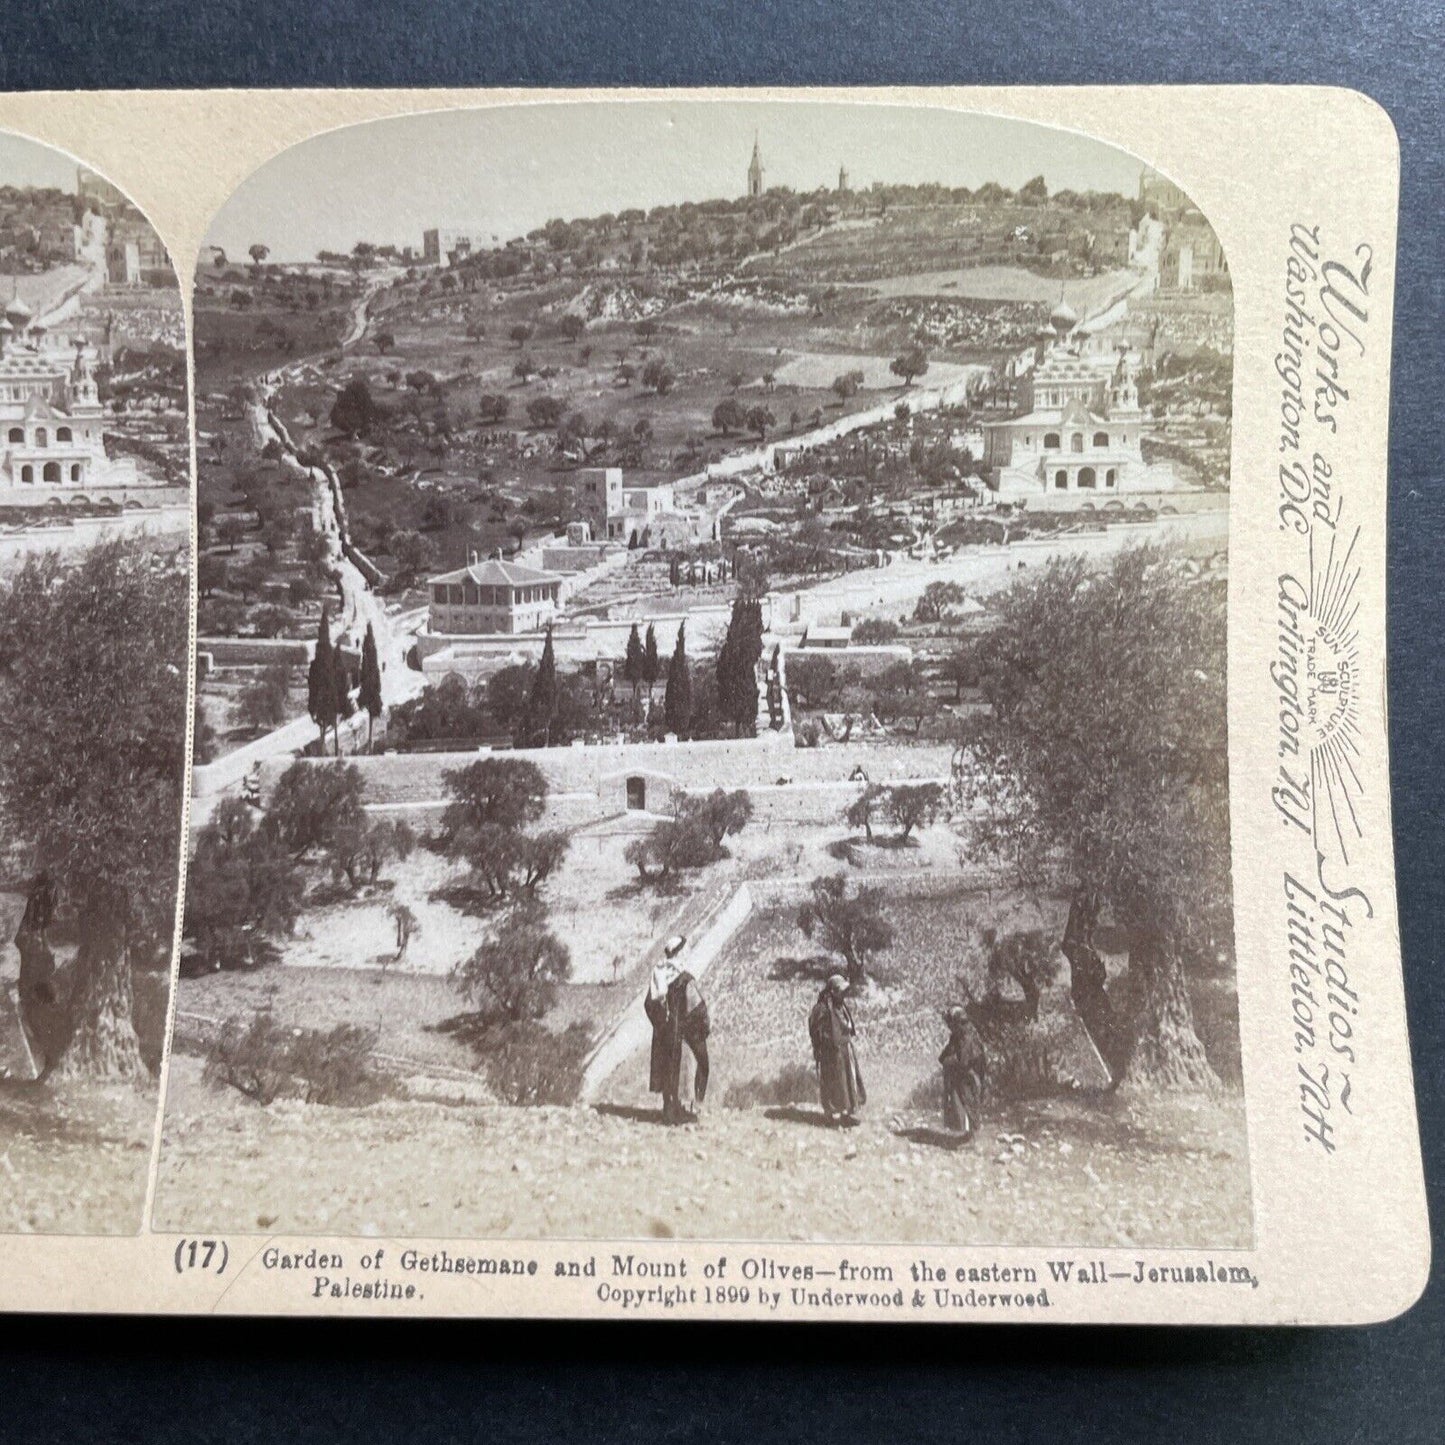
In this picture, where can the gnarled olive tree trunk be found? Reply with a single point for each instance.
(1088, 979)
(1167, 1053)
(103, 1042)
(43, 1013)
(1151, 1042)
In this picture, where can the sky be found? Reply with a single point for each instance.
(28, 163)
(505, 170)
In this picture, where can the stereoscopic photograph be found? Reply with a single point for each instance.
(95, 516)
(710, 687)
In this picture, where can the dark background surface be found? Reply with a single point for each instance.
(252, 1381)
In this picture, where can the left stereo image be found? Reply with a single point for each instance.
(95, 590)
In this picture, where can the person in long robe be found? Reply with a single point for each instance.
(832, 1030)
(965, 1068)
(678, 1013)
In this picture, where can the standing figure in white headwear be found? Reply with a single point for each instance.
(678, 1014)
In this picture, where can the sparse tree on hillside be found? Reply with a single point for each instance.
(243, 889)
(544, 411)
(355, 412)
(492, 408)
(313, 802)
(937, 599)
(759, 419)
(520, 334)
(852, 927)
(911, 805)
(384, 341)
(515, 974)
(658, 376)
(912, 364)
(728, 416)
(864, 808)
(265, 703)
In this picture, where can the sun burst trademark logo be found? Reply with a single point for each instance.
(1331, 696)
(1316, 676)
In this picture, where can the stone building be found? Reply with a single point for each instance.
(493, 597)
(1078, 426)
(1192, 258)
(50, 412)
(599, 500)
(444, 246)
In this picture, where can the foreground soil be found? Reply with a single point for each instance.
(1121, 1171)
(74, 1158)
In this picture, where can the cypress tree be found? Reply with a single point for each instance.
(737, 662)
(677, 699)
(321, 680)
(370, 693)
(633, 664)
(650, 665)
(542, 704)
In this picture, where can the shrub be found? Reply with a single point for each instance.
(1025, 1063)
(313, 804)
(872, 631)
(243, 890)
(264, 1060)
(513, 976)
(526, 1063)
(792, 1084)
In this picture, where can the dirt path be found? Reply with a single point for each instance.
(1157, 1172)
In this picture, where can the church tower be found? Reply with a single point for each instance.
(755, 170)
(842, 180)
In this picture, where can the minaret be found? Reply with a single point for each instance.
(755, 170)
(843, 180)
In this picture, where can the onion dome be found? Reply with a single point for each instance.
(1063, 318)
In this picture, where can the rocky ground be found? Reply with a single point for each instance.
(74, 1159)
(1119, 1171)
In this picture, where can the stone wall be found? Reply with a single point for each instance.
(575, 641)
(787, 784)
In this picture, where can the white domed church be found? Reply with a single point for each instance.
(1078, 426)
(50, 411)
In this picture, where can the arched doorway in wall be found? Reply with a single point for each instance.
(1061, 481)
(636, 794)
(1087, 479)
(52, 471)
(27, 473)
